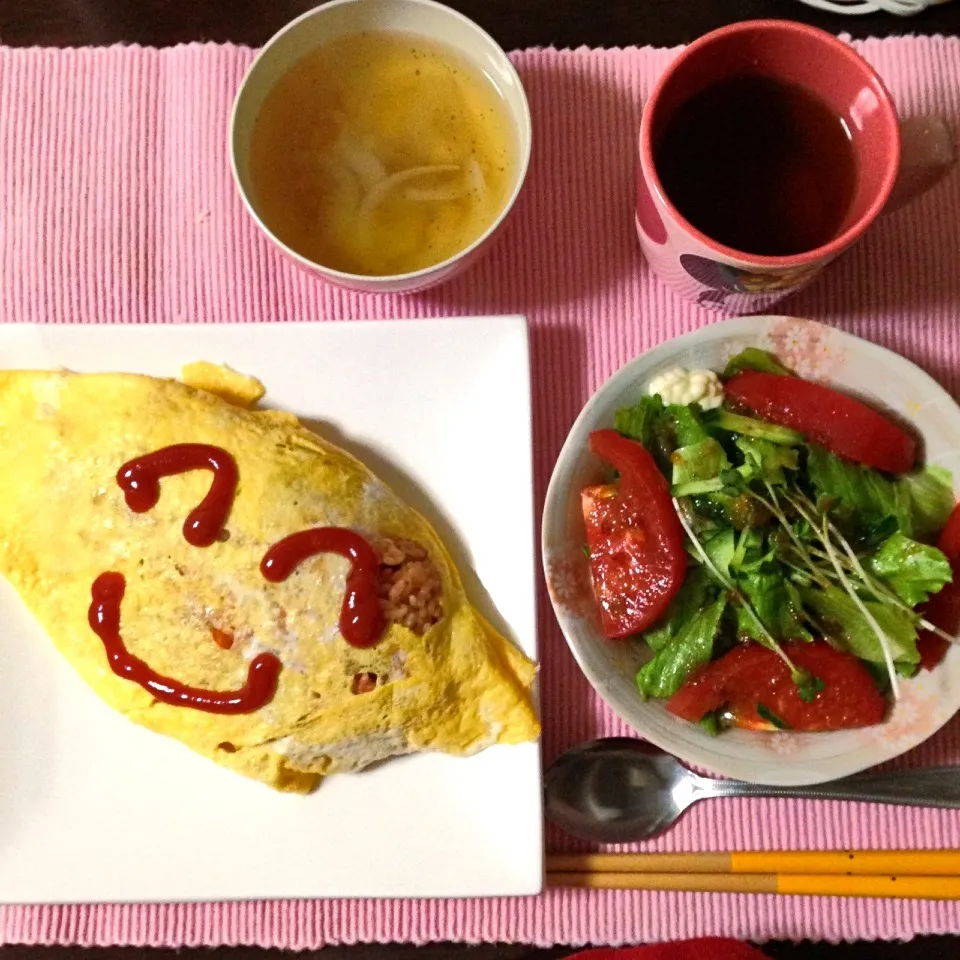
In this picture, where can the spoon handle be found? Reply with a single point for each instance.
(924, 787)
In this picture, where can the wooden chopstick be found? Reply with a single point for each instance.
(820, 885)
(901, 863)
(904, 874)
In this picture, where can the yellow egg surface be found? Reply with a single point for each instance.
(201, 614)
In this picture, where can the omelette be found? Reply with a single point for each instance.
(220, 574)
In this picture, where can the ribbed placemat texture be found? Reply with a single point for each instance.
(116, 205)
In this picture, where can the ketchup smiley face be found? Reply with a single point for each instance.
(361, 619)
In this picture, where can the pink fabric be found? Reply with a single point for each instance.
(116, 205)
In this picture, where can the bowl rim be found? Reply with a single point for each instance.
(721, 763)
(353, 280)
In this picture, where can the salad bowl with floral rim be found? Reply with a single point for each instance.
(813, 351)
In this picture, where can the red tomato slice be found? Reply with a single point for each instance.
(949, 539)
(942, 611)
(943, 608)
(751, 675)
(845, 426)
(637, 560)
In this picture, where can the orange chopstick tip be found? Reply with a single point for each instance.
(897, 887)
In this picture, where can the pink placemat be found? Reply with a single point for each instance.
(116, 205)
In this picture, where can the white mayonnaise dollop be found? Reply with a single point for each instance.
(679, 385)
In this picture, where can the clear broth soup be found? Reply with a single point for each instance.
(382, 153)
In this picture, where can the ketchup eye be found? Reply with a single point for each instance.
(361, 617)
(140, 481)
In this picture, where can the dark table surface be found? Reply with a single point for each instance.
(514, 23)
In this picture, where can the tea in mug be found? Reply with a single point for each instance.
(759, 165)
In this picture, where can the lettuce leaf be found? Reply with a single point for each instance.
(647, 423)
(857, 496)
(912, 570)
(861, 498)
(775, 601)
(841, 620)
(697, 468)
(766, 461)
(687, 424)
(929, 493)
(711, 723)
(754, 359)
(698, 590)
(641, 421)
(691, 649)
(749, 544)
(721, 549)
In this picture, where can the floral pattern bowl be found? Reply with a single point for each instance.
(814, 351)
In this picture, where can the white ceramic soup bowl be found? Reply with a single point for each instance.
(423, 18)
(818, 352)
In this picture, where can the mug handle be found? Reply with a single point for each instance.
(928, 152)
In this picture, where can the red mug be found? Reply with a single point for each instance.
(895, 160)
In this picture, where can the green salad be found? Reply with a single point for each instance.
(787, 545)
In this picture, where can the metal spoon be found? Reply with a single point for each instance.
(620, 790)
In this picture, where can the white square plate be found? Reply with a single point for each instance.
(94, 808)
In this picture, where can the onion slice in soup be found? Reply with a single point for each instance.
(385, 187)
